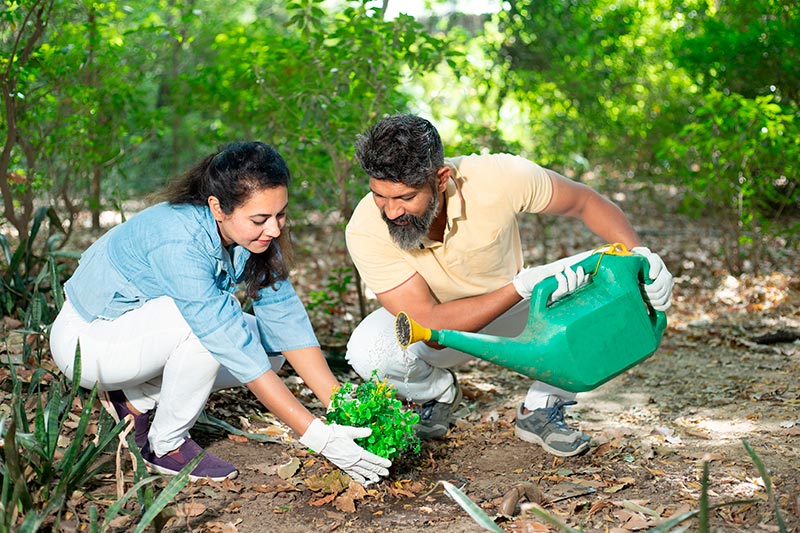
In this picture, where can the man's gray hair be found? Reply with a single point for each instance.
(402, 148)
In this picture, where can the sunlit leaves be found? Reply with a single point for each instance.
(373, 404)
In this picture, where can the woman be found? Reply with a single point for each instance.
(152, 307)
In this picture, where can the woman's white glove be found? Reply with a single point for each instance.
(568, 280)
(335, 442)
(660, 291)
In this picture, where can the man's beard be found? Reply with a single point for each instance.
(409, 236)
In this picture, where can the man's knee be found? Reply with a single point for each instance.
(372, 345)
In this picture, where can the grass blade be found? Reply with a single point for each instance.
(767, 485)
(477, 514)
(666, 527)
(703, 513)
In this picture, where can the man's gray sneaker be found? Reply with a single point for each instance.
(435, 417)
(546, 427)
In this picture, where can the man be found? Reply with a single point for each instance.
(438, 238)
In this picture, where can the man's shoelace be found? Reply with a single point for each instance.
(555, 413)
(426, 409)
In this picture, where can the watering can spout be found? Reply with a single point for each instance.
(408, 332)
(576, 343)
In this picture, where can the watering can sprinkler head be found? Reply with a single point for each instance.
(408, 332)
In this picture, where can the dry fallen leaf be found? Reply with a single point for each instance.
(332, 482)
(289, 469)
(322, 501)
(222, 527)
(189, 509)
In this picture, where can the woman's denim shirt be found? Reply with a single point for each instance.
(176, 251)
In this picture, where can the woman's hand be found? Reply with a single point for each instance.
(337, 444)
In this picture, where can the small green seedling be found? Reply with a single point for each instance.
(373, 404)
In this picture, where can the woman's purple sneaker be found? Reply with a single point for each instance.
(210, 466)
(116, 404)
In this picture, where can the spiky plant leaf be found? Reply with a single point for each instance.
(477, 514)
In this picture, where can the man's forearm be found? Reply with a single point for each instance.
(606, 220)
(469, 314)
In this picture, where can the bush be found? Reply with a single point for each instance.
(739, 158)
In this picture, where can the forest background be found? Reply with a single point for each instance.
(103, 102)
(692, 104)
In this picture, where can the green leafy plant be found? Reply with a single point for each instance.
(373, 404)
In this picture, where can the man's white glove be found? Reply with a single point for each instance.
(568, 280)
(335, 442)
(660, 291)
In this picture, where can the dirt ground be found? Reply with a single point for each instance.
(704, 392)
(713, 385)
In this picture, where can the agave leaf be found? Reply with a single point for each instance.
(146, 495)
(174, 486)
(477, 514)
(33, 520)
(6, 248)
(21, 492)
(85, 464)
(68, 463)
(38, 217)
(93, 519)
(547, 517)
(117, 506)
(55, 221)
(213, 423)
(55, 283)
(40, 428)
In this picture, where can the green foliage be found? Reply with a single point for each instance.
(589, 77)
(46, 457)
(308, 86)
(331, 299)
(373, 404)
(739, 158)
(30, 276)
(39, 473)
(75, 106)
(749, 47)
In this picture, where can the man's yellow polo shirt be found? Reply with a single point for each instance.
(481, 250)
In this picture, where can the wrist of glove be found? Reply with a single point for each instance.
(659, 291)
(336, 443)
(568, 280)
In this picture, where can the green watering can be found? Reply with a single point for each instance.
(578, 342)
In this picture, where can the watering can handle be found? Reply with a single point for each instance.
(545, 288)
